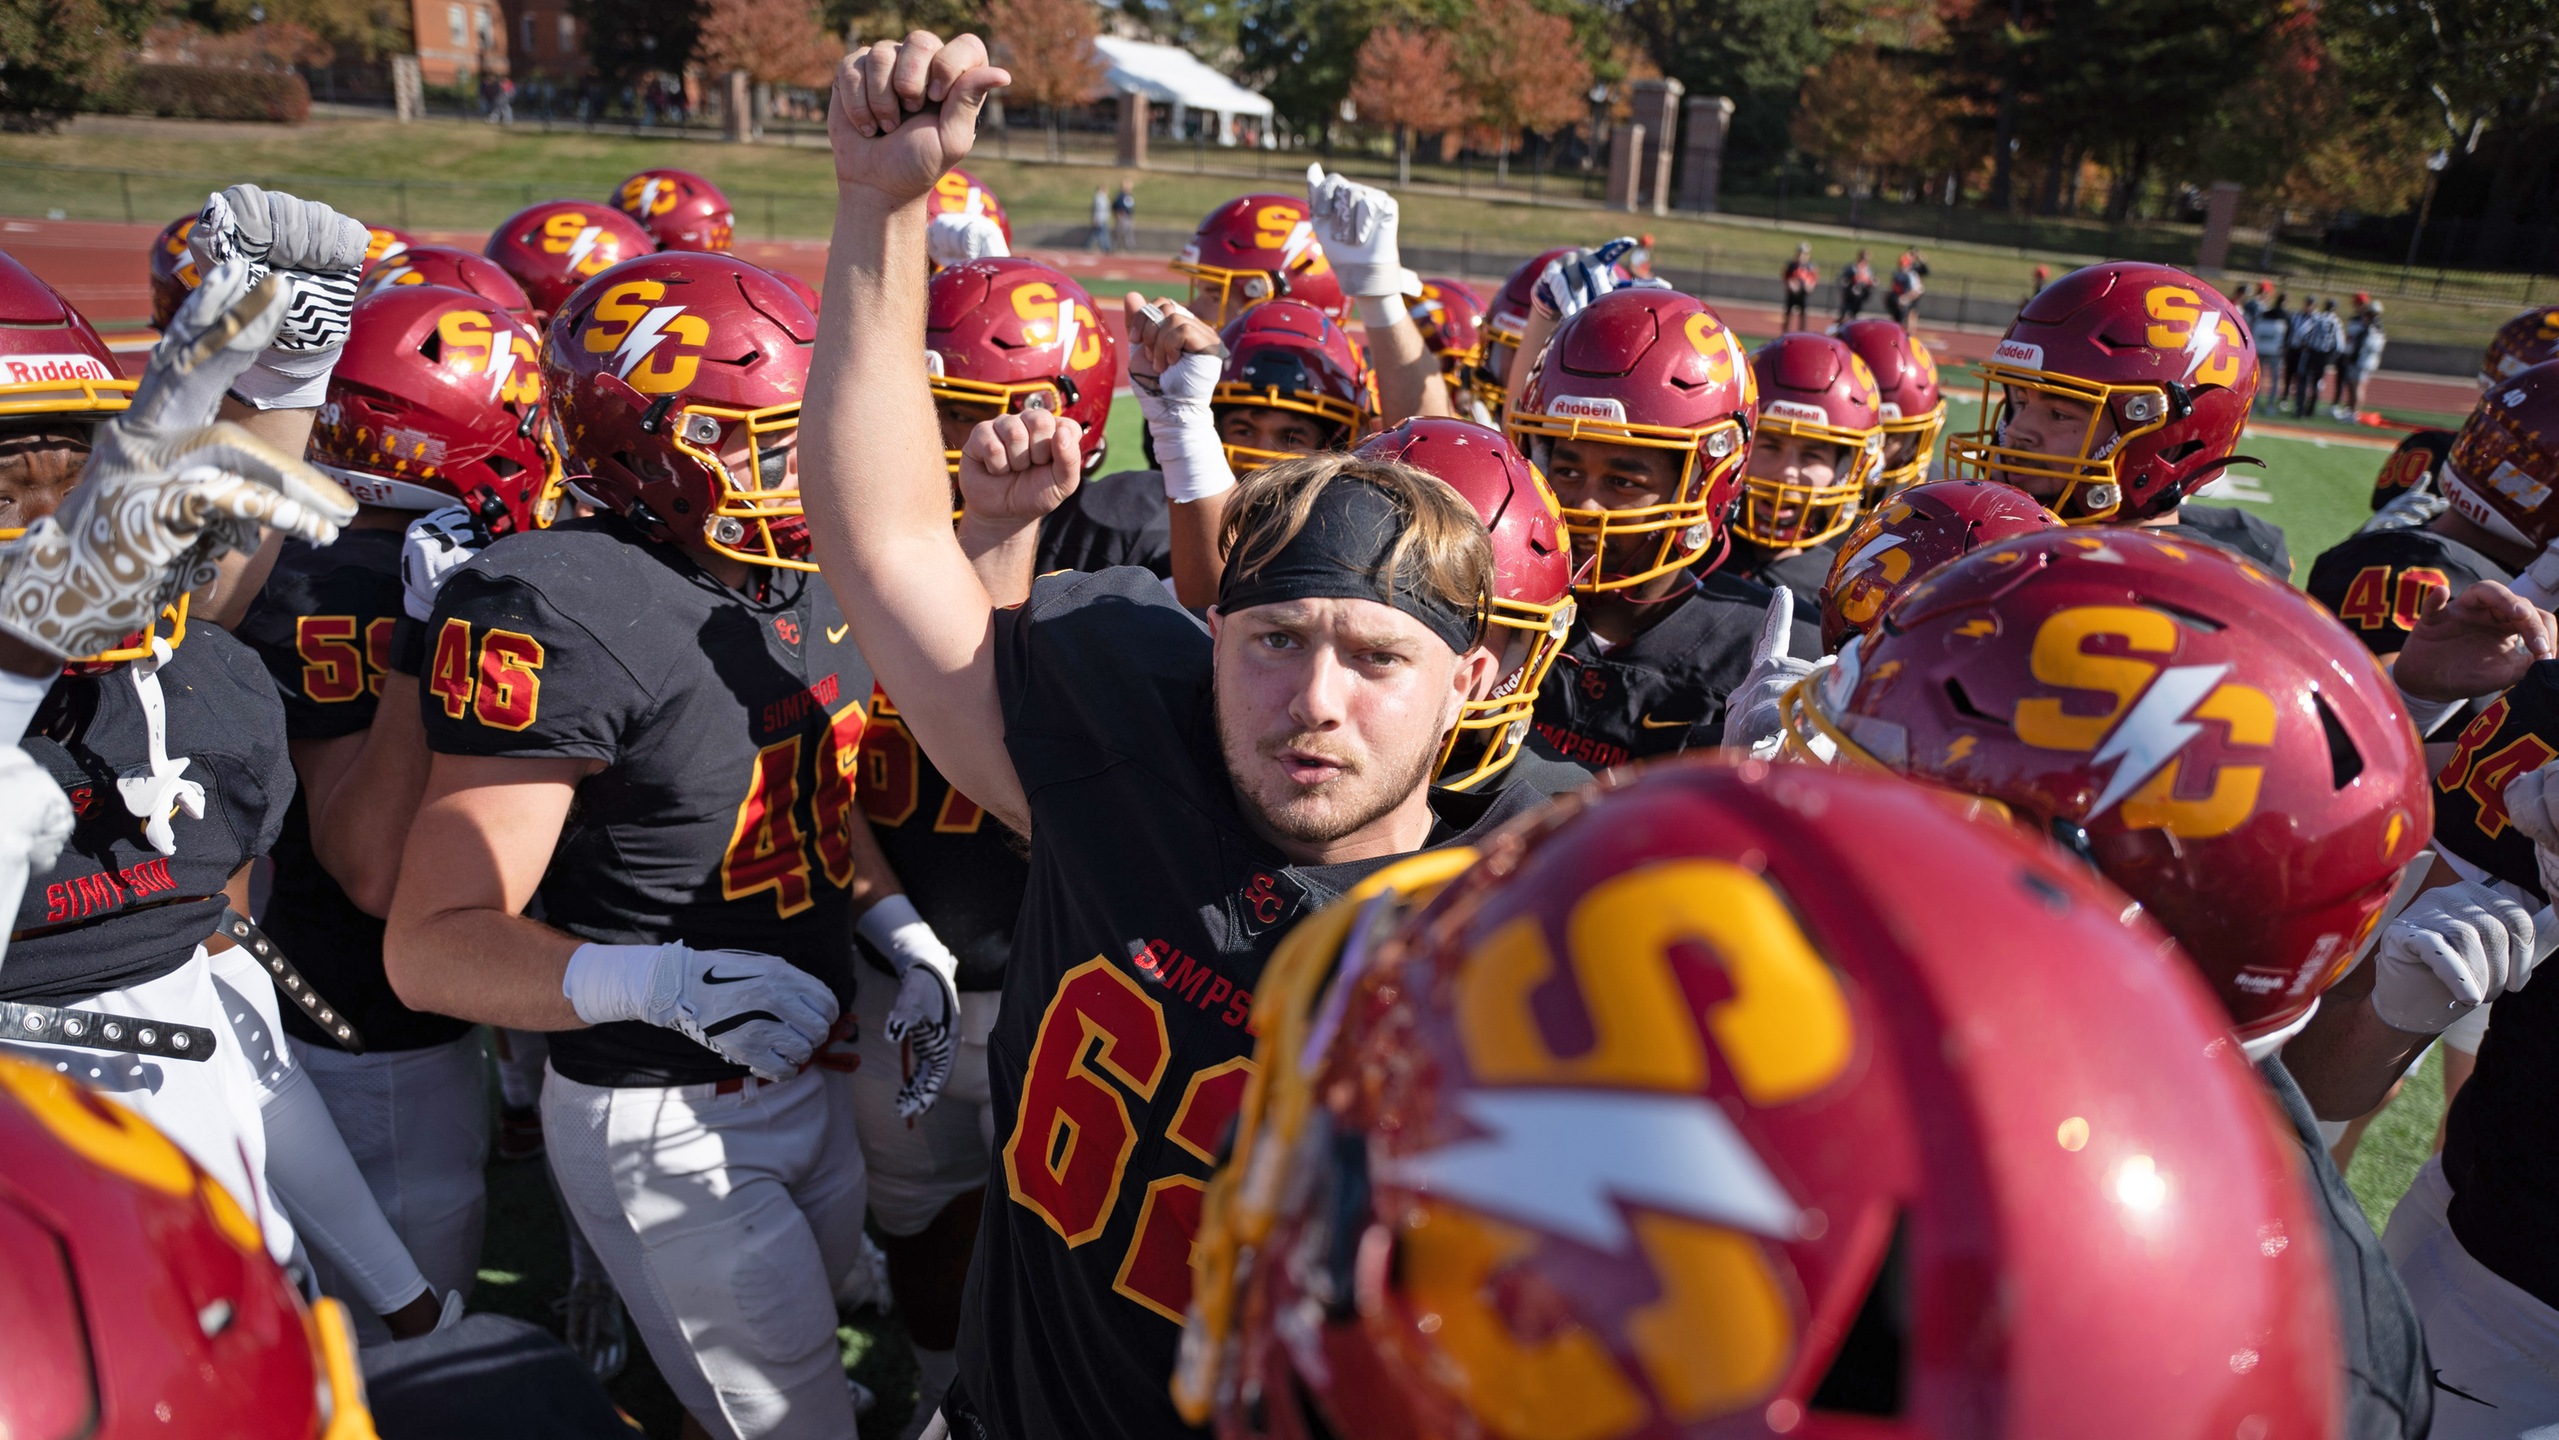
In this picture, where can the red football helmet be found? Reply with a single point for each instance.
(1752, 1100)
(2521, 343)
(52, 362)
(556, 246)
(381, 243)
(1254, 249)
(1451, 320)
(138, 1298)
(2416, 460)
(959, 193)
(2118, 391)
(1914, 406)
(1814, 388)
(1532, 580)
(1288, 355)
(1651, 368)
(454, 269)
(797, 286)
(2207, 736)
(1910, 535)
(173, 271)
(679, 209)
(1002, 336)
(2503, 472)
(666, 367)
(1505, 321)
(438, 398)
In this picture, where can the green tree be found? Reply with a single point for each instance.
(56, 54)
(2465, 64)
(629, 39)
(1302, 56)
(1203, 27)
(1755, 51)
(861, 21)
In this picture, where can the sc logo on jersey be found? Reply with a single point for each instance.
(2158, 710)
(657, 349)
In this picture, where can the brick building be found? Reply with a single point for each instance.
(458, 41)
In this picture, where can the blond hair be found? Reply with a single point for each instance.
(1442, 549)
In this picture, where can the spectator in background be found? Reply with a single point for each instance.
(502, 111)
(1124, 216)
(2250, 303)
(2043, 277)
(1100, 239)
(1639, 261)
(2364, 344)
(2324, 342)
(1910, 281)
(1801, 275)
(2296, 343)
(1856, 287)
(2269, 329)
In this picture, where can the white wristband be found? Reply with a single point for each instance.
(19, 697)
(897, 931)
(605, 983)
(2427, 714)
(1184, 428)
(288, 379)
(2540, 582)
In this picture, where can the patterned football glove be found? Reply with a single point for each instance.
(167, 490)
(1357, 224)
(438, 543)
(1571, 282)
(925, 1018)
(317, 249)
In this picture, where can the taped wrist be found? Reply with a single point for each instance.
(605, 983)
(1183, 426)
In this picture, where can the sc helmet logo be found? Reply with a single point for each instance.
(589, 248)
(647, 195)
(473, 344)
(2182, 321)
(655, 348)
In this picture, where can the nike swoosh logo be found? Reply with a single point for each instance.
(713, 977)
(1649, 723)
(836, 632)
(2457, 1390)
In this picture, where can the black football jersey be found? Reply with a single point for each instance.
(113, 911)
(1804, 572)
(1120, 519)
(2510, 736)
(1125, 1040)
(2376, 581)
(729, 728)
(962, 868)
(2236, 531)
(323, 625)
(2419, 457)
(1664, 690)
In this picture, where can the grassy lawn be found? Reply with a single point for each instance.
(455, 175)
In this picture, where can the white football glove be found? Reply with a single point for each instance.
(1571, 282)
(320, 251)
(438, 543)
(1357, 224)
(35, 821)
(1750, 712)
(957, 239)
(2453, 950)
(759, 1011)
(166, 489)
(1178, 417)
(926, 1015)
(2532, 803)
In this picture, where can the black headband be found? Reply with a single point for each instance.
(1345, 551)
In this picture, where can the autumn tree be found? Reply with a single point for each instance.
(1520, 68)
(1048, 47)
(1407, 78)
(1863, 115)
(56, 54)
(776, 42)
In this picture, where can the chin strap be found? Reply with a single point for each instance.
(158, 793)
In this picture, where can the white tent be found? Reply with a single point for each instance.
(1170, 75)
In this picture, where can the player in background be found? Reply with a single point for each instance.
(1639, 415)
(1737, 1200)
(1453, 325)
(1914, 405)
(428, 372)
(2524, 341)
(1506, 317)
(466, 270)
(652, 719)
(1816, 453)
(1254, 249)
(679, 209)
(968, 222)
(1345, 641)
(553, 248)
(2209, 740)
(2118, 392)
(1906, 538)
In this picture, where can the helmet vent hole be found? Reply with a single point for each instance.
(1865, 1376)
(433, 348)
(503, 467)
(2345, 762)
(1964, 705)
(2180, 452)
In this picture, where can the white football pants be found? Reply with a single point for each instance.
(2494, 1347)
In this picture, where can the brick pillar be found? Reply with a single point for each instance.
(1625, 166)
(1656, 106)
(737, 109)
(1133, 117)
(1701, 170)
(408, 92)
(2220, 209)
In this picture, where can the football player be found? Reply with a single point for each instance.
(1452, 322)
(384, 245)
(1187, 789)
(1639, 413)
(1505, 325)
(2118, 392)
(455, 269)
(2521, 343)
(652, 720)
(679, 209)
(968, 223)
(554, 247)
(1254, 249)
(1913, 404)
(2213, 743)
(1815, 455)
(2410, 470)
(173, 270)
(1740, 1193)
(1908, 537)
(437, 399)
